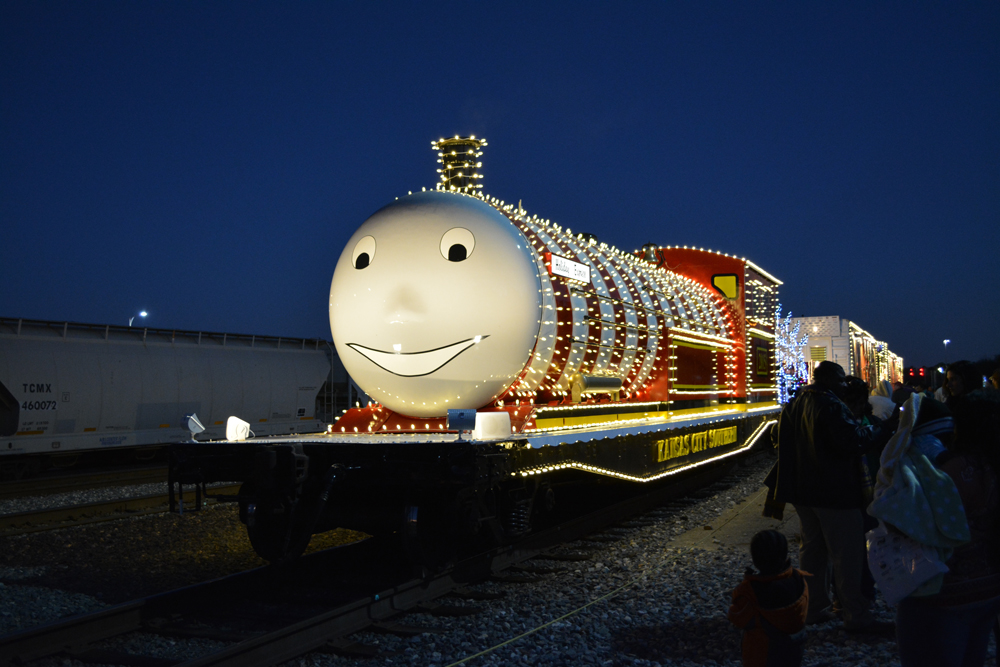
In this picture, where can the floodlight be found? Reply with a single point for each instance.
(492, 426)
(461, 420)
(193, 424)
(237, 429)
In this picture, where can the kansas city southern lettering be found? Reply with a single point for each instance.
(691, 443)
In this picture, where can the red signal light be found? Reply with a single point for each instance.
(921, 372)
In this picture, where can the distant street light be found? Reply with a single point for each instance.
(946, 341)
(142, 313)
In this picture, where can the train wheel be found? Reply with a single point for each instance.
(428, 535)
(270, 526)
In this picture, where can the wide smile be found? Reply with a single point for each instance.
(415, 364)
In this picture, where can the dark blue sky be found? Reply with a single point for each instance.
(208, 161)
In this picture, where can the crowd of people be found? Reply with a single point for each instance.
(897, 490)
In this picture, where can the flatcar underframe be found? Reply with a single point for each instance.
(441, 493)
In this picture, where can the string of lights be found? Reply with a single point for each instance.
(607, 313)
(793, 371)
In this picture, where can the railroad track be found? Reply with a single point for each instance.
(82, 481)
(273, 614)
(74, 515)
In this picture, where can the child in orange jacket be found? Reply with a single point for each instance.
(770, 606)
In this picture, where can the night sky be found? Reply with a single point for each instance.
(207, 161)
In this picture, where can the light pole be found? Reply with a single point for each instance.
(142, 313)
(946, 341)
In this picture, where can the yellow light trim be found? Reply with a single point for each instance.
(679, 414)
(763, 272)
(751, 441)
(599, 406)
(770, 405)
(761, 333)
(615, 420)
(679, 335)
(684, 342)
(689, 392)
(605, 420)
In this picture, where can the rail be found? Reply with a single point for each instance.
(46, 486)
(322, 631)
(75, 515)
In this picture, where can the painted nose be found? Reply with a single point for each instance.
(405, 304)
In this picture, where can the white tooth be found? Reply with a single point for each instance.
(415, 364)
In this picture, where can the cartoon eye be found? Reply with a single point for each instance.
(457, 244)
(364, 252)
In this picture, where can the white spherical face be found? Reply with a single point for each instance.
(435, 304)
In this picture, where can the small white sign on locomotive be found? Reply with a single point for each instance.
(567, 268)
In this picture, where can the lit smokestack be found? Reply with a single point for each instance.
(460, 165)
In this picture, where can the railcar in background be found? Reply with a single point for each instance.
(505, 358)
(837, 339)
(69, 390)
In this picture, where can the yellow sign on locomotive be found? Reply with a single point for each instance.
(691, 443)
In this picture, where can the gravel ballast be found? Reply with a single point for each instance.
(648, 598)
(70, 498)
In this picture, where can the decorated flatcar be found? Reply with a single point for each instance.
(505, 356)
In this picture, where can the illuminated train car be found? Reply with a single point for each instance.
(842, 341)
(568, 360)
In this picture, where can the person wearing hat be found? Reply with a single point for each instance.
(770, 605)
(820, 444)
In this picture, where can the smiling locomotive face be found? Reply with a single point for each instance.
(435, 304)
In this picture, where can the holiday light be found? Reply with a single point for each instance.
(631, 319)
(459, 157)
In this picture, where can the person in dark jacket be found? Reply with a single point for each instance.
(856, 398)
(819, 472)
(962, 378)
(770, 605)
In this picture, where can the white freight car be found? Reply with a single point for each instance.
(69, 388)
